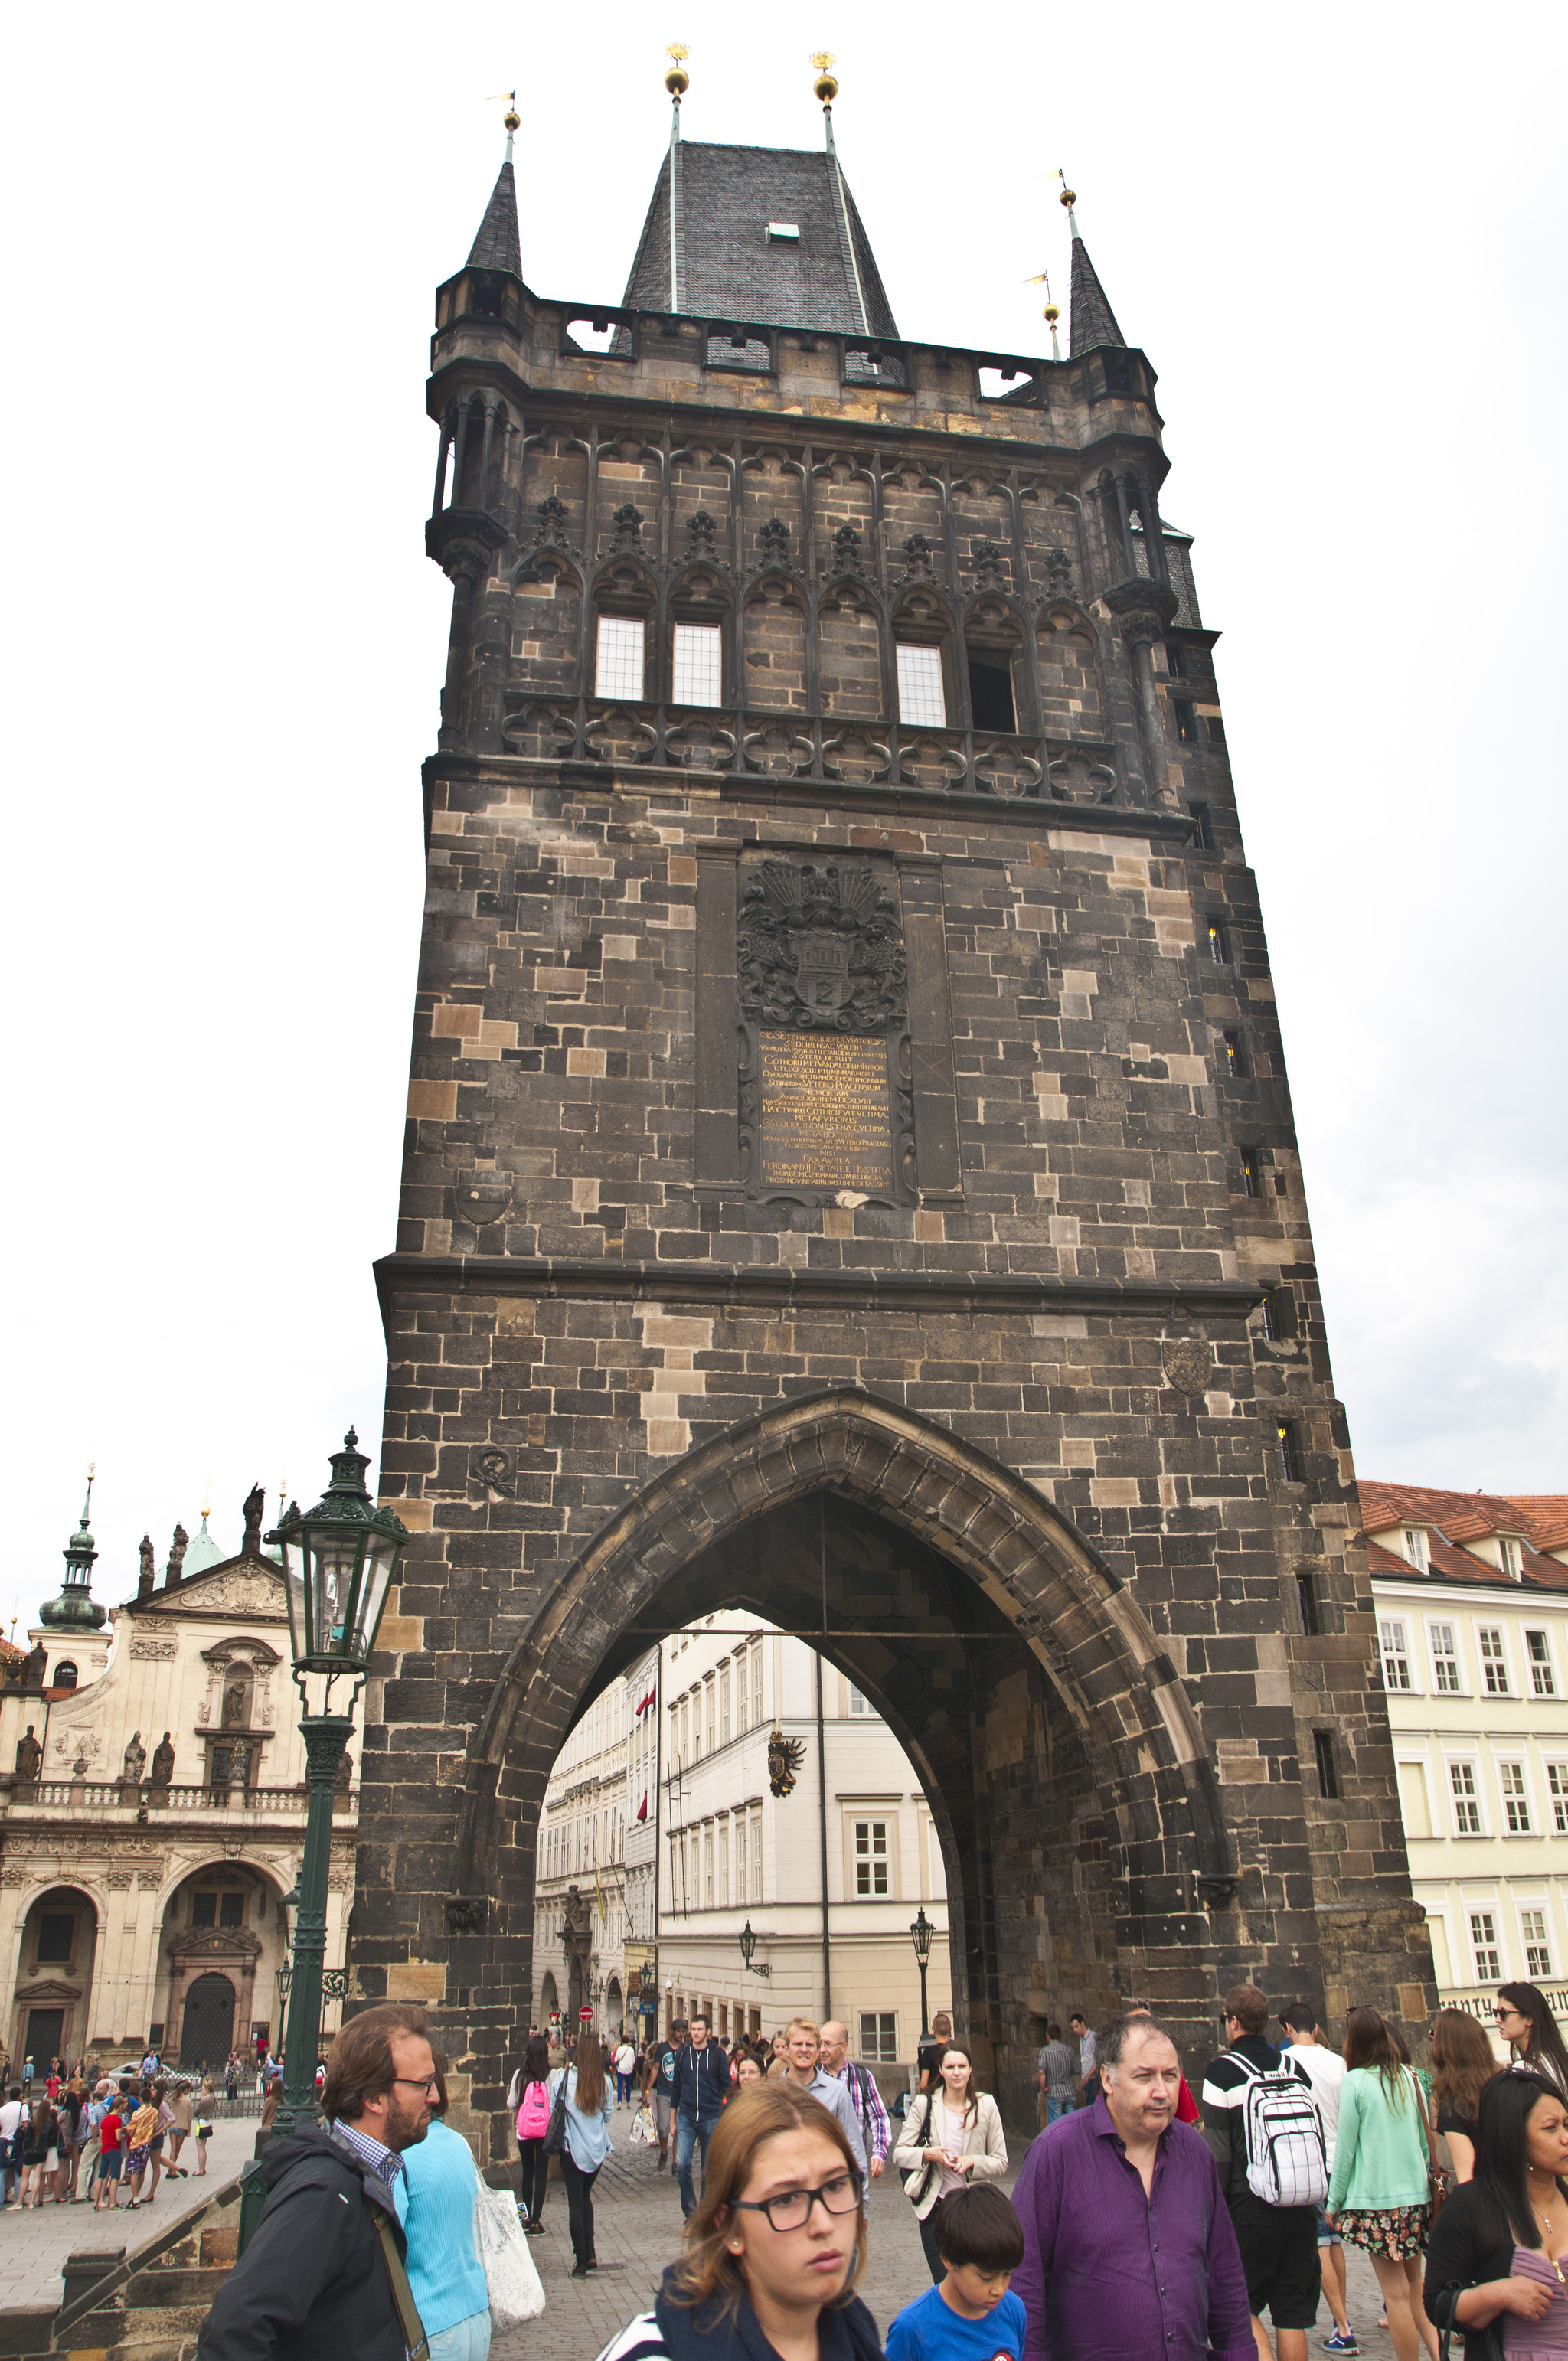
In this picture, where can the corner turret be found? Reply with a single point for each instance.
(76, 1609)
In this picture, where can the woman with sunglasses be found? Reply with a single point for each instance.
(1526, 2025)
(772, 2249)
(1498, 2250)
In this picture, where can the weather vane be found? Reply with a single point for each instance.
(512, 118)
(1053, 310)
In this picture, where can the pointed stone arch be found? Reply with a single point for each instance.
(1091, 1641)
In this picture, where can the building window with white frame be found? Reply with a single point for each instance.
(757, 1854)
(857, 1703)
(1484, 1944)
(723, 1864)
(1467, 1800)
(741, 1690)
(1516, 1798)
(724, 1705)
(618, 665)
(1513, 1565)
(699, 664)
(1537, 1950)
(1493, 1663)
(920, 699)
(1538, 1649)
(1416, 1547)
(1557, 1789)
(1444, 1660)
(712, 1709)
(879, 2037)
(1395, 1652)
(757, 1689)
(871, 1879)
(740, 1856)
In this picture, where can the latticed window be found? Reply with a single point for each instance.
(757, 1688)
(1466, 1802)
(707, 1875)
(1515, 1799)
(724, 1707)
(920, 697)
(1541, 1679)
(1557, 1788)
(698, 664)
(740, 1860)
(1416, 1547)
(1537, 1951)
(1493, 1663)
(741, 1688)
(1484, 1943)
(1444, 1660)
(618, 669)
(879, 2037)
(1395, 1653)
(871, 1858)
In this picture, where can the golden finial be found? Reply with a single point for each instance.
(1069, 197)
(678, 81)
(824, 87)
(512, 118)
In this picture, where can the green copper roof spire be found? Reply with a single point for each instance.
(76, 1605)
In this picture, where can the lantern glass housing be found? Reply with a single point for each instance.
(339, 1561)
(921, 1931)
(748, 1943)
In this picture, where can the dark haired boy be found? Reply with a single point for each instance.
(970, 2314)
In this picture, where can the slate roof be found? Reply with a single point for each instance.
(1089, 315)
(497, 245)
(729, 269)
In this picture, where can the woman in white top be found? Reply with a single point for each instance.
(951, 2135)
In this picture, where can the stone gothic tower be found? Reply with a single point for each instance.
(849, 1171)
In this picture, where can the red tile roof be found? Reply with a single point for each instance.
(1451, 1519)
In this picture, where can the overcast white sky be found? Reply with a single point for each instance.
(1339, 237)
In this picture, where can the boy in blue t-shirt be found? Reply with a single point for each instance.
(971, 2316)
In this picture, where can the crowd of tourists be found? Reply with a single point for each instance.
(1143, 2221)
(89, 2138)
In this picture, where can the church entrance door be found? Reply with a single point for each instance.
(206, 2024)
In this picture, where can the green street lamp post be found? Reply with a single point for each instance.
(339, 1563)
(920, 1933)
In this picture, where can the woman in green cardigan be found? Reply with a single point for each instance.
(1379, 2197)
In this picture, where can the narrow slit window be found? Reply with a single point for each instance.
(699, 664)
(1307, 1592)
(1233, 1057)
(1216, 731)
(1288, 1446)
(1203, 828)
(920, 699)
(1218, 942)
(1252, 1185)
(1328, 1769)
(1186, 719)
(1279, 1315)
(619, 670)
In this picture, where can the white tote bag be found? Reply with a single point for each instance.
(511, 2276)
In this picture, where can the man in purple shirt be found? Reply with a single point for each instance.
(1128, 2243)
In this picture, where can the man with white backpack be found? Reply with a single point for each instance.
(1261, 2121)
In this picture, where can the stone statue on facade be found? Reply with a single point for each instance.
(234, 1706)
(149, 1574)
(163, 1764)
(29, 1756)
(255, 1509)
(177, 1549)
(576, 1921)
(134, 1761)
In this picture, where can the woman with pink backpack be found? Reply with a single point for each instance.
(532, 2087)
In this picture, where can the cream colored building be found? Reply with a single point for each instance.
(1471, 1594)
(152, 1811)
(702, 1840)
(582, 1848)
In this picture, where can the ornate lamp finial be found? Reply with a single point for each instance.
(678, 81)
(824, 87)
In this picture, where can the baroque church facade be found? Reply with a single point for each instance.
(152, 1812)
(849, 1171)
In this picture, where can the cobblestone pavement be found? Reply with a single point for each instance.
(638, 2230)
(33, 2247)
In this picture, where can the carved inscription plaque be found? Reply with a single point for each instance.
(826, 1118)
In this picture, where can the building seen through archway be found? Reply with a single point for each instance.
(665, 1834)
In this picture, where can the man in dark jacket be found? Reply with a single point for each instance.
(702, 2085)
(316, 2282)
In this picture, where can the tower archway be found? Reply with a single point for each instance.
(1077, 1815)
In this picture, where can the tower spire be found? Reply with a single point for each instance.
(499, 247)
(1092, 321)
(75, 1604)
(678, 81)
(826, 88)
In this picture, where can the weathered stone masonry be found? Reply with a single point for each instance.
(1010, 1425)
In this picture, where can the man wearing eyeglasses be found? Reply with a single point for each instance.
(324, 2277)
